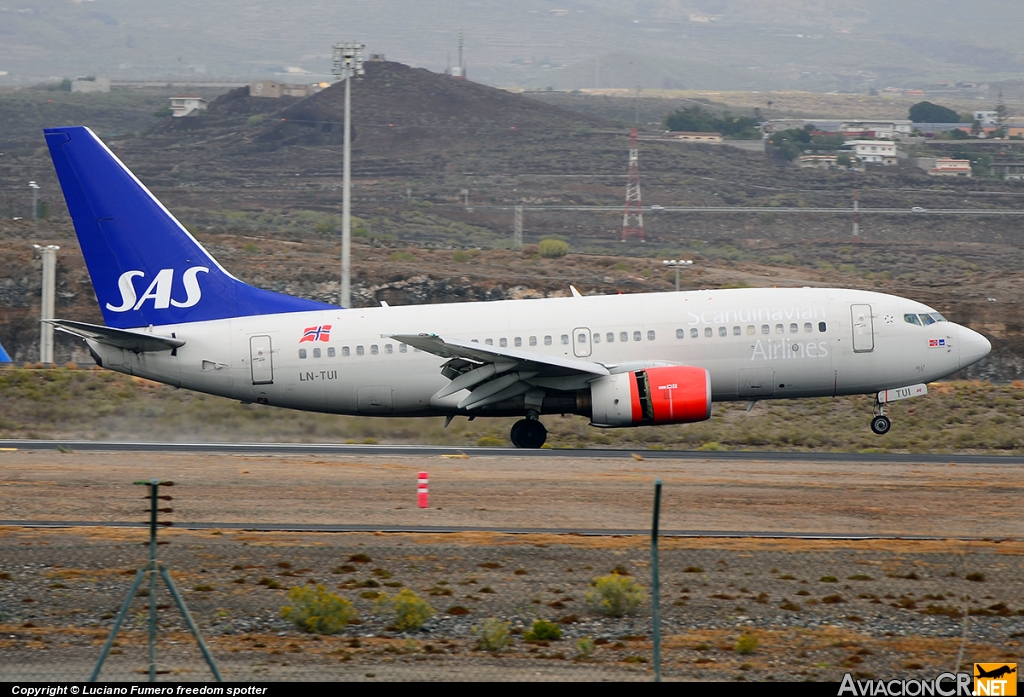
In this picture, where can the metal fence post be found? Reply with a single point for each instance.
(655, 584)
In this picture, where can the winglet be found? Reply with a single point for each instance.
(575, 293)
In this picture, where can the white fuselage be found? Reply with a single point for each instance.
(756, 344)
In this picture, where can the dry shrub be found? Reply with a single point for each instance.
(317, 610)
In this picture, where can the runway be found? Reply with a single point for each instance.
(439, 451)
(449, 530)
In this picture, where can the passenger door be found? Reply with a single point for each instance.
(863, 329)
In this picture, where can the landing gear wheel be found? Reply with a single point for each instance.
(514, 434)
(528, 433)
(881, 425)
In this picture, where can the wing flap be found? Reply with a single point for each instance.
(483, 354)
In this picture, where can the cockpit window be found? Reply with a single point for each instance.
(927, 319)
(911, 318)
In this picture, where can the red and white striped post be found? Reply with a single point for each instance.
(422, 492)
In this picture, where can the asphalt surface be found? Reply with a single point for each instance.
(435, 451)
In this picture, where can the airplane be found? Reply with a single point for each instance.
(995, 672)
(173, 314)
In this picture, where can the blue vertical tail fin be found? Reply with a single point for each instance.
(146, 268)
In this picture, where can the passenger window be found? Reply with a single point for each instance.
(808, 328)
(489, 342)
(330, 352)
(388, 348)
(610, 337)
(821, 327)
(623, 336)
(765, 329)
(912, 319)
(503, 342)
(794, 328)
(565, 339)
(736, 331)
(373, 349)
(680, 333)
(518, 341)
(416, 350)
(345, 351)
(636, 336)
(302, 353)
(927, 319)
(693, 333)
(533, 341)
(650, 335)
(723, 331)
(403, 348)
(751, 330)
(475, 341)
(316, 353)
(779, 329)
(597, 338)
(581, 338)
(547, 340)
(359, 350)
(707, 332)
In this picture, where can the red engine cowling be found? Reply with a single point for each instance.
(662, 395)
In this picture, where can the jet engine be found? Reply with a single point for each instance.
(661, 395)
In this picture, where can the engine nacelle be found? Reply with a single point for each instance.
(662, 395)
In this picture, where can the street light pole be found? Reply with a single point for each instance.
(49, 256)
(677, 264)
(35, 199)
(348, 62)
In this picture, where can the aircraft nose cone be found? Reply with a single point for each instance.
(973, 347)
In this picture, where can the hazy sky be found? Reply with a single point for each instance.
(726, 44)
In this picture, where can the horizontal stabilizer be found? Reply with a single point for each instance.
(118, 338)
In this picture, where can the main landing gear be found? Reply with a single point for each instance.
(528, 433)
(880, 423)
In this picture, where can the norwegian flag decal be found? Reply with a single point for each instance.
(321, 333)
(936, 343)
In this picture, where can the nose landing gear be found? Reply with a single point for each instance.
(880, 423)
(528, 433)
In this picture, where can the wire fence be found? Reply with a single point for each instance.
(730, 609)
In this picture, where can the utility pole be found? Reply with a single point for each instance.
(49, 257)
(856, 215)
(348, 63)
(35, 199)
(517, 228)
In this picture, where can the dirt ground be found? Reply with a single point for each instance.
(817, 608)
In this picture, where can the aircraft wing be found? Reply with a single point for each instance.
(118, 338)
(494, 374)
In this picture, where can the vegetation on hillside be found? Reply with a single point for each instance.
(696, 119)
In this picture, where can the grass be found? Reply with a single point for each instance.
(100, 405)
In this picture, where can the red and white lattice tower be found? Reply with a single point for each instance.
(633, 217)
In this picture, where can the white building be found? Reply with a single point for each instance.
(948, 167)
(987, 118)
(890, 128)
(876, 152)
(187, 105)
(90, 84)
